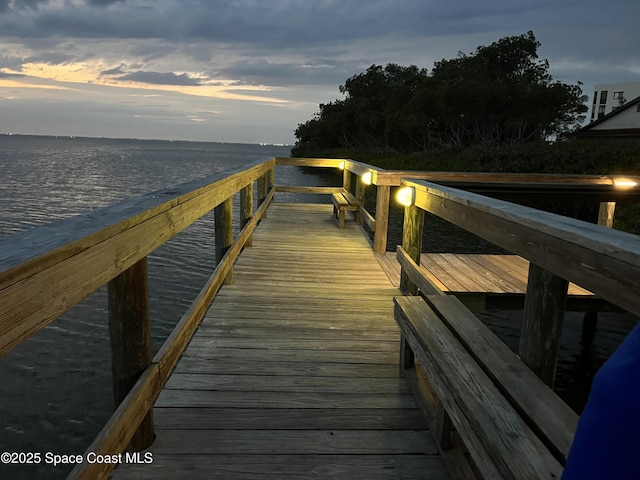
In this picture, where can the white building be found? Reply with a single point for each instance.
(610, 96)
(622, 121)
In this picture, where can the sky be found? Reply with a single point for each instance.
(251, 71)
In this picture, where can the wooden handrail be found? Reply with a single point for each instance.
(47, 270)
(115, 435)
(559, 249)
(601, 260)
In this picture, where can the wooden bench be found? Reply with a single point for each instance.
(342, 202)
(513, 425)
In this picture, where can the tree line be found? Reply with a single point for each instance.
(500, 94)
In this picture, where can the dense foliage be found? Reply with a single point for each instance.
(598, 156)
(499, 95)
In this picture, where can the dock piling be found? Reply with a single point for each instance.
(130, 336)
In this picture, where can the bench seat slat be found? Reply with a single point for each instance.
(553, 419)
(496, 435)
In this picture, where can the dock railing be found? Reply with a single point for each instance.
(47, 270)
(560, 250)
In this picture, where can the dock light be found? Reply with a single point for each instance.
(406, 196)
(367, 178)
(624, 183)
(341, 166)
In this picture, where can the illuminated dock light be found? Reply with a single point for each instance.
(624, 183)
(406, 196)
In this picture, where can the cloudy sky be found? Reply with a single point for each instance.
(252, 70)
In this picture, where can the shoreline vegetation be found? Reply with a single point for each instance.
(492, 110)
(598, 156)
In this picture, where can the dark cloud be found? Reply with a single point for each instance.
(10, 75)
(160, 78)
(263, 72)
(119, 70)
(102, 3)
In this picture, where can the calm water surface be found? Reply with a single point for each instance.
(56, 387)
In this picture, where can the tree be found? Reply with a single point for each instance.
(499, 94)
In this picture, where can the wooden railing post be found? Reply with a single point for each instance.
(360, 191)
(383, 194)
(606, 213)
(544, 308)
(262, 191)
(412, 242)
(128, 297)
(270, 179)
(246, 209)
(224, 232)
(346, 179)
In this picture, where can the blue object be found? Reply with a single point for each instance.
(607, 441)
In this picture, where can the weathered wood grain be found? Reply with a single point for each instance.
(47, 270)
(554, 419)
(383, 195)
(232, 418)
(277, 467)
(297, 358)
(296, 442)
(502, 444)
(599, 259)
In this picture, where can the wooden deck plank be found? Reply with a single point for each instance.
(302, 467)
(288, 383)
(296, 442)
(294, 370)
(461, 274)
(225, 418)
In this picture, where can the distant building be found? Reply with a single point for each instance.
(610, 96)
(622, 121)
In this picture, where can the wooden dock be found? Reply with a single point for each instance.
(287, 362)
(293, 373)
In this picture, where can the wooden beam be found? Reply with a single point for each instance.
(411, 269)
(224, 232)
(312, 190)
(246, 209)
(382, 219)
(130, 335)
(604, 261)
(114, 436)
(606, 213)
(411, 243)
(47, 270)
(544, 307)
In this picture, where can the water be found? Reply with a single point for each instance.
(56, 387)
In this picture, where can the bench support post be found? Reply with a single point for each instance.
(544, 308)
